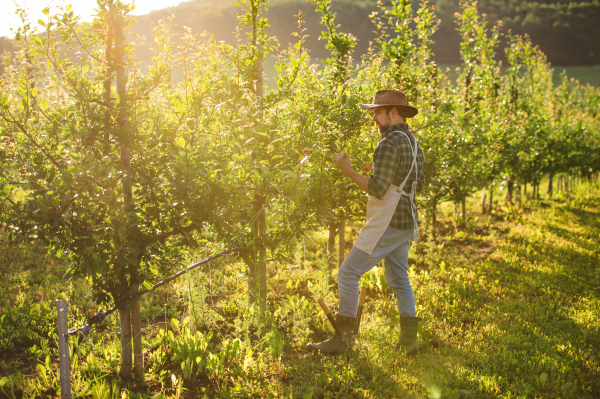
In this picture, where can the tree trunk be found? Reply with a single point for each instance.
(262, 218)
(262, 253)
(136, 330)
(464, 210)
(456, 218)
(434, 214)
(509, 191)
(342, 240)
(550, 179)
(483, 202)
(107, 88)
(257, 266)
(126, 317)
(331, 245)
(252, 277)
(125, 343)
(491, 199)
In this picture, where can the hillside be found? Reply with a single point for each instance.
(566, 31)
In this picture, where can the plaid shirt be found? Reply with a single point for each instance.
(392, 160)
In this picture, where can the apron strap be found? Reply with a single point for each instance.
(413, 190)
(414, 165)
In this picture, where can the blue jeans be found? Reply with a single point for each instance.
(393, 247)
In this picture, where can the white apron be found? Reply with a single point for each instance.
(381, 211)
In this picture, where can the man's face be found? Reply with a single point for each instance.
(381, 119)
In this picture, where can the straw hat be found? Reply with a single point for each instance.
(396, 98)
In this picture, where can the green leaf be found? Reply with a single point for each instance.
(46, 11)
(147, 285)
(175, 323)
(181, 142)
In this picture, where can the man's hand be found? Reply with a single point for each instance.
(344, 163)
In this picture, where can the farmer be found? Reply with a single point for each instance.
(391, 220)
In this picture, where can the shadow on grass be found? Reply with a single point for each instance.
(523, 322)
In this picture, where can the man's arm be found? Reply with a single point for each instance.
(343, 161)
(385, 166)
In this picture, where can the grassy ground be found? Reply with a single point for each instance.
(510, 305)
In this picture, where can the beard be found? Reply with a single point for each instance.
(381, 127)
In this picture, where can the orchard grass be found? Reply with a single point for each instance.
(510, 303)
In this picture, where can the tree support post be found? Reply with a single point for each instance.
(63, 349)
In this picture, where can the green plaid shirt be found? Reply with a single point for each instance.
(392, 160)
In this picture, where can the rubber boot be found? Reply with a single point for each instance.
(408, 335)
(336, 344)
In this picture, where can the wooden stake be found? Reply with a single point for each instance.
(63, 349)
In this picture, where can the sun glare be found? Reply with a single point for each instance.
(9, 18)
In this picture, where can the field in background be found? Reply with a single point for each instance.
(585, 75)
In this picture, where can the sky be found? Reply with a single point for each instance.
(83, 8)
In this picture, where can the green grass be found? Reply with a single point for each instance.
(510, 305)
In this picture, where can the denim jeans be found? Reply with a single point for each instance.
(393, 247)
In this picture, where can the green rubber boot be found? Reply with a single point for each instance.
(408, 335)
(336, 345)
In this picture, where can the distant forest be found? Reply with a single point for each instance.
(568, 32)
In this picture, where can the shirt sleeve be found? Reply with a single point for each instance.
(385, 165)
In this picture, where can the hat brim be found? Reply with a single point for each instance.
(406, 110)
